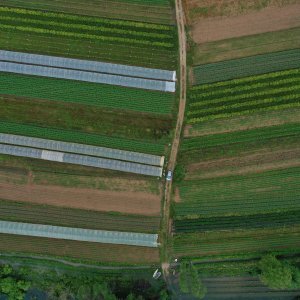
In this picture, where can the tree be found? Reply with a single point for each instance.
(190, 281)
(274, 273)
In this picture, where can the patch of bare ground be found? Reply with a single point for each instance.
(267, 20)
(253, 163)
(212, 8)
(177, 195)
(89, 199)
(243, 122)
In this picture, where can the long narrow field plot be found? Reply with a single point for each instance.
(70, 217)
(53, 33)
(247, 95)
(84, 251)
(79, 234)
(154, 11)
(242, 67)
(86, 93)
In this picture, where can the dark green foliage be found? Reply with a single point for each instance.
(275, 274)
(190, 281)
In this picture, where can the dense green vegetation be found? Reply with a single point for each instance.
(86, 93)
(81, 137)
(248, 95)
(46, 278)
(70, 217)
(60, 34)
(247, 66)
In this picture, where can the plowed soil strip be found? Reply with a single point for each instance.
(267, 20)
(125, 202)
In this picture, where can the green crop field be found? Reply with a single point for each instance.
(83, 251)
(244, 96)
(236, 195)
(76, 36)
(81, 137)
(247, 66)
(70, 217)
(204, 224)
(220, 243)
(86, 93)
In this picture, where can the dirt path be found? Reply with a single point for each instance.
(266, 20)
(167, 222)
(98, 200)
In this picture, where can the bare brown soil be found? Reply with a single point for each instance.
(96, 252)
(125, 202)
(267, 20)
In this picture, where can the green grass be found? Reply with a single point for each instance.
(70, 217)
(242, 67)
(219, 243)
(241, 195)
(272, 91)
(81, 137)
(246, 46)
(100, 95)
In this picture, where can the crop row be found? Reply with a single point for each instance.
(235, 242)
(81, 137)
(92, 49)
(243, 67)
(239, 100)
(28, 22)
(70, 217)
(86, 19)
(240, 195)
(83, 251)
(203, 224)
(253, 135)
(245, 81)
(86, 93)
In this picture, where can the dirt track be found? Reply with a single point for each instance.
(266, 20)
(124, 202)
(167, 222)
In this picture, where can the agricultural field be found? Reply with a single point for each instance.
(236, 194)
(220, 30)
(69, 35)
(134, 33)
(82, 251)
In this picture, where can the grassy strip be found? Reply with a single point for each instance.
(277, 219)
(252, 65)
(86, 252)
(86, 93)
(240, 195)
(81, 137)
(220, 243)
(85, 118)
(69, 217)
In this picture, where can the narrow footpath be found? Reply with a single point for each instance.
(167, 222)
